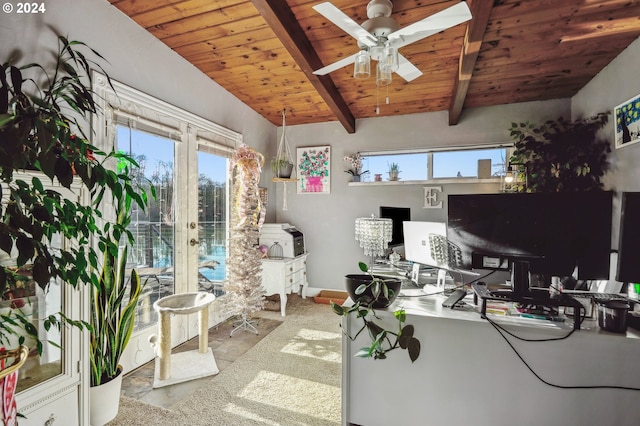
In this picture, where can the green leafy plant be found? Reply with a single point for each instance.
(394, 168)
(278, 164)
(560, 155)
(43, 111)
(382, 340)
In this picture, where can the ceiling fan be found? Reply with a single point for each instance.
(380, 37)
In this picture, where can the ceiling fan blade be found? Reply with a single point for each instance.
(348, 25)
(407, 70)
(336, 65)
(440, 21)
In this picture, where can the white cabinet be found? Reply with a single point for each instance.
(284, 276)
(52, 387)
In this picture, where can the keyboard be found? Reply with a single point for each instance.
(597, 297)
(606, 297)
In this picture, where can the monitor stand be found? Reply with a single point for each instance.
(482, 292)
(521, 293)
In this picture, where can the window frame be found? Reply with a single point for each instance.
(509, 146)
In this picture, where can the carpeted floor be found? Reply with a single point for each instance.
(291, 377)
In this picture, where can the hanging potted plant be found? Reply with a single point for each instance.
(282, 165)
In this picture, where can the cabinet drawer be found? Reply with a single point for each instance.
(61, 411)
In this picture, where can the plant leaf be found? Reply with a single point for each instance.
(337, 308)
(413, 348)
(361, 289)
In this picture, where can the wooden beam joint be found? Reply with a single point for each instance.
(284, 24)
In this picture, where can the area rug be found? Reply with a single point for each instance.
(291, 377)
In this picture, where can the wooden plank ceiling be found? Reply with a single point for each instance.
(264, 52)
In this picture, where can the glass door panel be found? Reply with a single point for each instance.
(152, 254)
(212, 222)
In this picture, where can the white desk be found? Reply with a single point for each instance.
(467, 374)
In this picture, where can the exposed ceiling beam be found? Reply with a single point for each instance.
(480, 12)
(283, 22)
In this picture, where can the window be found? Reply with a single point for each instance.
(420, 165)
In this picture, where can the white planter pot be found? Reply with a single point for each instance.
(104, 400)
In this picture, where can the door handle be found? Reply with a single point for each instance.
(194, 242)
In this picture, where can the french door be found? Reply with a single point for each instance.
(181, 238)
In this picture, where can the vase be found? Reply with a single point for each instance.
(314, 184)
(353, 281)
(393, 176)
(104, 400)
(284, 172)
(355, 178)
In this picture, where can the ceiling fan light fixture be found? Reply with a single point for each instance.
(376, 52)
(362, 66)
(383, 77)
(389, 59)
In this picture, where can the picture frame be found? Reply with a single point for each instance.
(313, 167)
(627, 122)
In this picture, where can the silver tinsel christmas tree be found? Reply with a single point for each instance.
(245, 295)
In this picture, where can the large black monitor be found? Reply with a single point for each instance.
(629, 239)
(542, 233)
(398, 215)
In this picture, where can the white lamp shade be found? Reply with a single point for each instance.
(383, 78)
(389, 59)
(362, 66)
(374, 234)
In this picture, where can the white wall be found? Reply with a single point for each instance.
(135, 58)
(615, 84)
(327, 221)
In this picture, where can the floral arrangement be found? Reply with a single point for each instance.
(356, 164)
(314, 163)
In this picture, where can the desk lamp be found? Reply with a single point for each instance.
(374, 234)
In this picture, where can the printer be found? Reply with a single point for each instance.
(287, 236)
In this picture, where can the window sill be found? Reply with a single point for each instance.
(426, 182)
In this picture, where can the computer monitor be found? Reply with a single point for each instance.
(542, 233)
(425, 243)
(398, 215)
(628, 267)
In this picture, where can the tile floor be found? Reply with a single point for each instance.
(138, 384)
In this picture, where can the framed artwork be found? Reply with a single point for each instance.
(627, 122)
(313, 166)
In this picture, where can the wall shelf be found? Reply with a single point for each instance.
(426, 182)
(284, 180)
